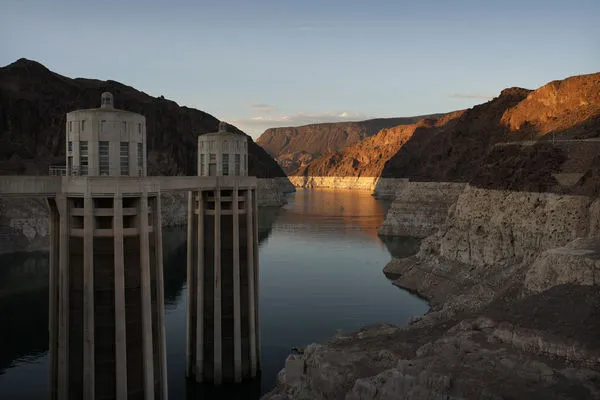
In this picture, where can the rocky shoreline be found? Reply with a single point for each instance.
(512, 278)
(24, 224)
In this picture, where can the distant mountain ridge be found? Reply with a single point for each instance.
(564, 111)
(522, 140)
(367, 158)
(33, 106)
(294, 147)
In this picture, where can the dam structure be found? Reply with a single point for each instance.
(222, 343)
(106, 289)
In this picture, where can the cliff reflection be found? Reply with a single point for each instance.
(23, 307)
(325, 210)
(266, 218)
(401, 246)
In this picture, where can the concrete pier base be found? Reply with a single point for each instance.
(107, 336)
(222, 329)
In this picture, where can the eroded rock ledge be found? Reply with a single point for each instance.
(513, 281)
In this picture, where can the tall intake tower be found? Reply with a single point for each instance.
(222, 314)
(107, 336)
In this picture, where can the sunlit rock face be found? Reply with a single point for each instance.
(296, 147)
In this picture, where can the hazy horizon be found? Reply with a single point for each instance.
(271, 63)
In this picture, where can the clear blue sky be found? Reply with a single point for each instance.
(259, 64)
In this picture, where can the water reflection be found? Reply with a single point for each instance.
(23, 308)
(401, 246)
(320, 271)
(331, 210)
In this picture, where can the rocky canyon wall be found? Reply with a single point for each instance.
(420, 208)
(495, 227)
(512, 278)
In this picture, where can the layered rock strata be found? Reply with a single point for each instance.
(382, 188)
(420, 208)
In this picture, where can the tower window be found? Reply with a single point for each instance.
(201, 164)
(103, 152)
(237, 164)
(140, 158)
(212, 165)
(124, 158)
(225, 164)
(70, 146)
(139, 127)
(82, 125)
(83, 157)
(70, 126)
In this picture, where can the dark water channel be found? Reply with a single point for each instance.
(320, 272)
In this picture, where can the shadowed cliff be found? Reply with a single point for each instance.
(559, 111)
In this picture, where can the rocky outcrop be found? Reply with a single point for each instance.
(24, 225)
(577, 263)
(386, 188)
(420, 208)
(271, 192)
(295, 147)
(491, 227)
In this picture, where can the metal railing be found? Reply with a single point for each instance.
(63, 170)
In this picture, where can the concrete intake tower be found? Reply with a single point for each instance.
(106, 301)
(222, 321)
(107, 337)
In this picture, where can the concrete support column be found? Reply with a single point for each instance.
(160, 296)
(191, 289)
(237, 322)
(53, 275)
(256, 277)
(148, 360)
(120, 317)
(199, 287)
(251, 283)
(62, 363)
(218, 362)
(88, 298)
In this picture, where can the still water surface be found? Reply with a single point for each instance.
(320, 272)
